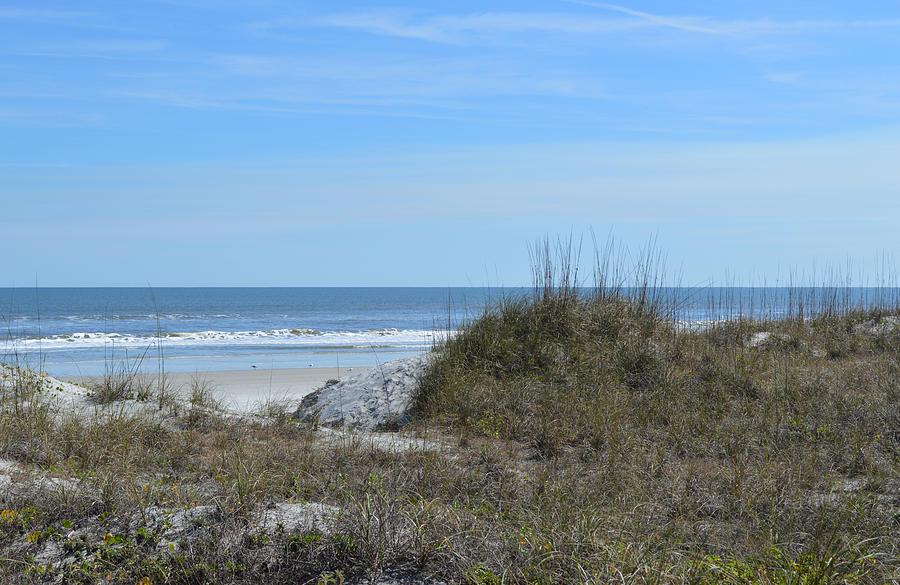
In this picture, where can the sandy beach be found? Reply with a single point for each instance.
(246, 390)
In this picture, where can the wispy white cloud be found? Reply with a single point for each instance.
(220, 4)
(47, 118)
(335, 71)
(60, 16)
(120, 46)
(69, 18)
(735, 28)
(29, 94)
(296, 103)
(788, 78)
(499, 27)
(89, 49)
(483, 26)
(691, 24)
(412, 77)
(428, 99)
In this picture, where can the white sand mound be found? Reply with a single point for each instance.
(375, 399)
(26, 388)
(24, 385)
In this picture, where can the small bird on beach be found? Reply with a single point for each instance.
(253, 366)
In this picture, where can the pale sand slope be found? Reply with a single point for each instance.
(247, 390)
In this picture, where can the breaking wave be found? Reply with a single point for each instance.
(290, 336)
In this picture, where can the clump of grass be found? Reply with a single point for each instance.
(125, 380)
(549, 368)
(577, 436)
(122, 381)
(733, 449)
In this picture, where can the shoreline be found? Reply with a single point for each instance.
(244, 390)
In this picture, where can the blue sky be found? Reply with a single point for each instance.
(268, 142)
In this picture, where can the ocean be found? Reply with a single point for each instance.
(93, 331)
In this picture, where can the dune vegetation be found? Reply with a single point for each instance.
(579, 435)
(740, 452)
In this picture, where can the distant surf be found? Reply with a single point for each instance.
(90, 331)
(291, 336)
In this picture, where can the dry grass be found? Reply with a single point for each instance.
(583, 439)
(662, 455)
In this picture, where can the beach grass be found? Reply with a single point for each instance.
(574, 436)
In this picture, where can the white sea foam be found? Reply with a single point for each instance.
(292, 336)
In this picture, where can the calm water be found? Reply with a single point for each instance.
(89, 331)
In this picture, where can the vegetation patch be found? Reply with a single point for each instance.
(575, 436)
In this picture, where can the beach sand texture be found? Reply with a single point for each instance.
(246, 390)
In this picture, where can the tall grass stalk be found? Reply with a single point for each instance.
(584, 436)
